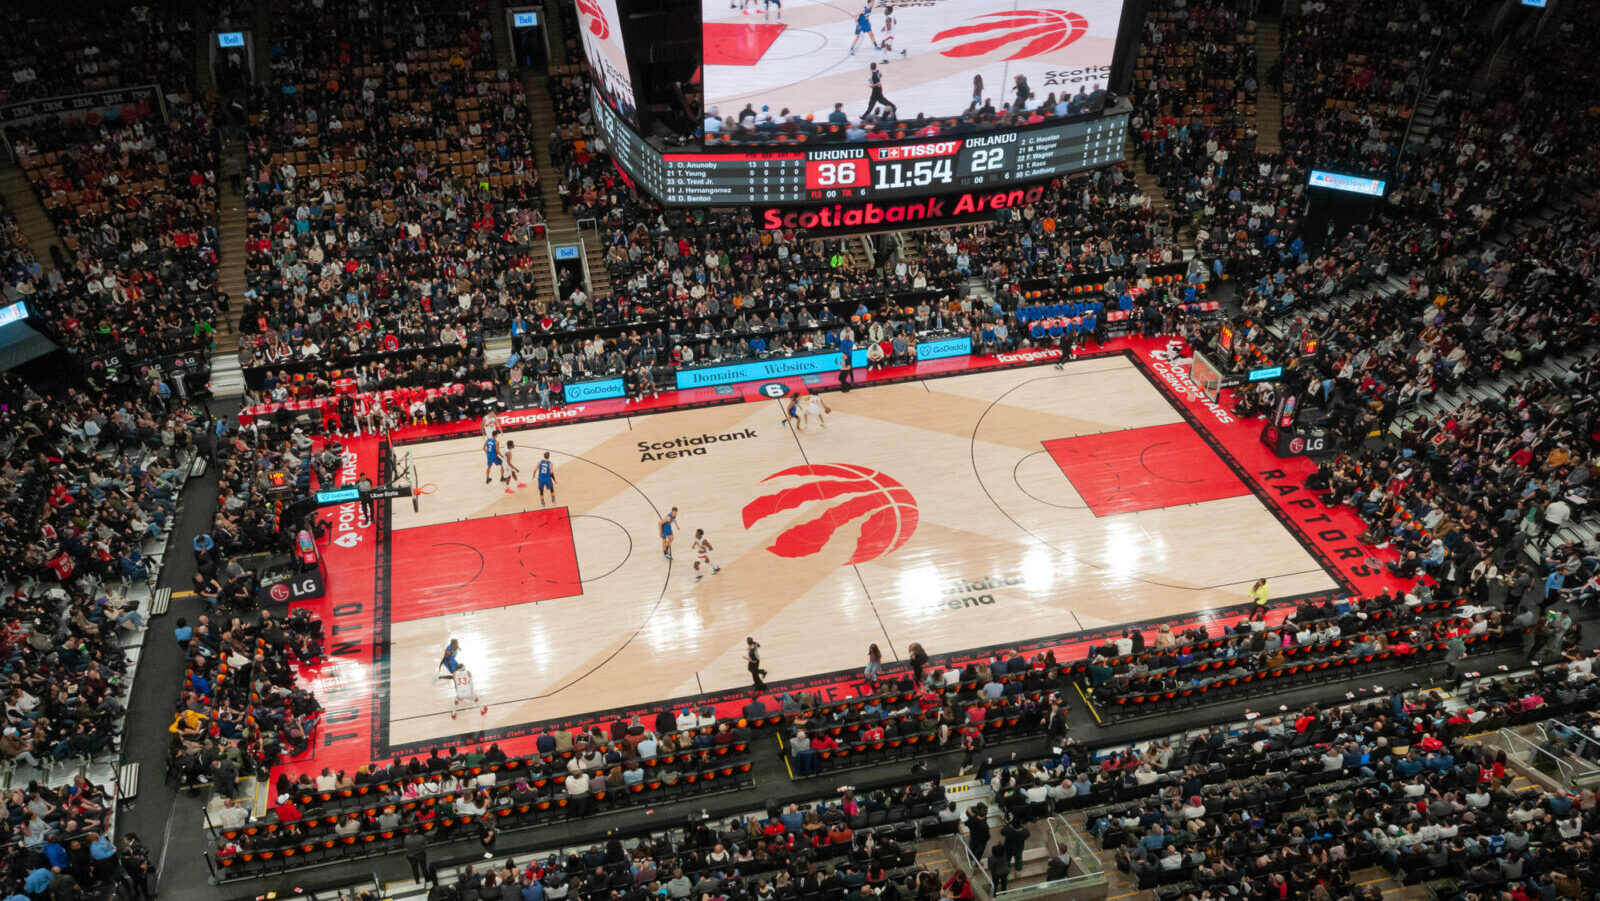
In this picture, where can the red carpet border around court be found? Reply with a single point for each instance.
(348, 681)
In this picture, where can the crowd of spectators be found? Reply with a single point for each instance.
(133, 198)
(241, 710)
(855, 846)
(1385, 630)
(59, 844)
(51, 50)
(1349, 87)
(392, 188)
(475, 792)
(1297, 803)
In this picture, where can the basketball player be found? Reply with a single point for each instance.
(547, 479)
(815, 406)
(667, 523)
(766, 10)
(887, 44)
(791, 414)
(448, 663)
(864, 27)
(510, 469)
(466, 694)
(491, 424)
(491, 454)
(702, 554)
(875, 83)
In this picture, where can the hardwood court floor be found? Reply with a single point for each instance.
(1079, 497)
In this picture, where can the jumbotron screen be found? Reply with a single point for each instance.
(909, 62)
(600, 28)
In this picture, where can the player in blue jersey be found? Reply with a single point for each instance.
(547, 479)
(668, 523)
(864, 27)
(491, 454)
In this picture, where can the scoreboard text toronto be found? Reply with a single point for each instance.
(866, 171)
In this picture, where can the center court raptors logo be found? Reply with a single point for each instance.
(598, 26)
(1037, 30)
(890, 510)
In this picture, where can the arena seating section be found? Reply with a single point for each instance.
(393, 204)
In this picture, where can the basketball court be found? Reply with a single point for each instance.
(962, 512)
(803, 61)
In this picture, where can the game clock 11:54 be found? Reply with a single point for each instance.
(854, 177)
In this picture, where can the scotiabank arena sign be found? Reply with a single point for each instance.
(873, 216)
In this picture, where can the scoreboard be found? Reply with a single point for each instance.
(858, 171)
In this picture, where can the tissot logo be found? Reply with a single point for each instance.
(598, 26)
(1026, 33)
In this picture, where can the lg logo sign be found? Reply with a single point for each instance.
(303, 587)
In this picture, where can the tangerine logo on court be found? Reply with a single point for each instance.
(598, 26)
(887, 511)
(1037, 31)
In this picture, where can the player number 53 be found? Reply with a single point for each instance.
(836, 173)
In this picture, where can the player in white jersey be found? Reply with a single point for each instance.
(702, 554)
(815, 406)
(491, 424)
(509, 472)
(887, 44)
(466, 694)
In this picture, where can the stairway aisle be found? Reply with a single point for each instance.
(31, 218)
(502, 36)
(1269, 93)
(231, 231)
(542, 115)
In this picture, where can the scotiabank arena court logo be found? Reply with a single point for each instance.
(598, 26)
(887, 511)
(1037, 31)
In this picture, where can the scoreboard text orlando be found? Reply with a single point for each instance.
(835, 173)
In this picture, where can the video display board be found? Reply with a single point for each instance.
(828, 173)
(903, 60)
(600, 28)
(1352, 184)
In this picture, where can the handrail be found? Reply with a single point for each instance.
(1531, 750)
(1422, 92)
(975, 867)
(1592, 765)
(1086, 868)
